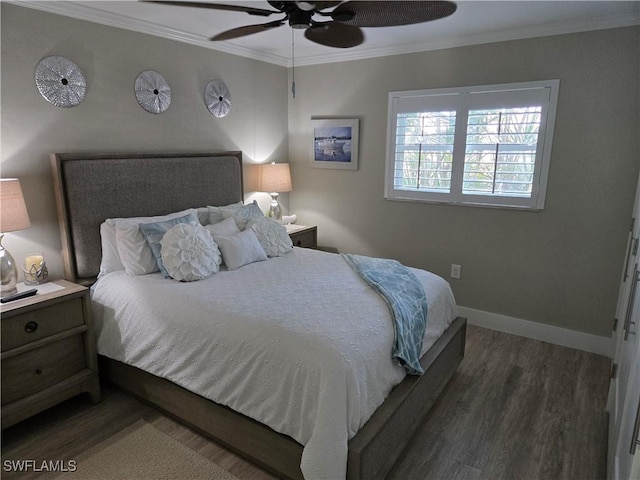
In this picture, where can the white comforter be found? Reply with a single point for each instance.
(300, 343)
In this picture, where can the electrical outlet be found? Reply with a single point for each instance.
(456, 270)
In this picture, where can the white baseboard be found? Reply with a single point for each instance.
(538, 331)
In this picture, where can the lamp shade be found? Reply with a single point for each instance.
(274, 177)
(13, 211)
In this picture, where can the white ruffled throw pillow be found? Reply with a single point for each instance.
(273, 237)
(189, 253)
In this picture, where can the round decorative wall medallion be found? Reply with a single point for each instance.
(152, 92)
(60, 81)
(217, 98)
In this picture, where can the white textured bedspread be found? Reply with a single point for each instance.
(300, 343)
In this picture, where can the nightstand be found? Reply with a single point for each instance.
(301, 236)
(48, 350)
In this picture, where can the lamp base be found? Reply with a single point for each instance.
(8, 272)
(275, 210)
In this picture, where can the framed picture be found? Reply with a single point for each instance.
(335, 143)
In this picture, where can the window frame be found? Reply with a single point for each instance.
(462, 100)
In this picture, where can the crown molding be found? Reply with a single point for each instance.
(468, 40)
(90, 14)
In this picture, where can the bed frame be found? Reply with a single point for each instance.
(90, 188)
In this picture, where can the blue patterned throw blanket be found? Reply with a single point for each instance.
(406, 299)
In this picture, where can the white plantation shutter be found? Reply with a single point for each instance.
(500, 153)
(424, 151)
(485, 145)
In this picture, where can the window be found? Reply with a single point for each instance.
(487, 145)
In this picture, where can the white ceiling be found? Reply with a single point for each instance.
(474, 22)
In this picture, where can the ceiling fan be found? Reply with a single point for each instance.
(342, 26)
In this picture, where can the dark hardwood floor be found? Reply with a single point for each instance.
(516, 409)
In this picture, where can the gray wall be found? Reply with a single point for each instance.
(110, 119)
(560, 266)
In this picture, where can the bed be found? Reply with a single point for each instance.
(285, 433)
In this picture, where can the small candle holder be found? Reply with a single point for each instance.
(35, 270)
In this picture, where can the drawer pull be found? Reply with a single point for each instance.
(38, 371)
(31, 327)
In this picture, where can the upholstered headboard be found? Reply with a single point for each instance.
(93, 187)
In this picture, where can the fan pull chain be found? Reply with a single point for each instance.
(293, 65)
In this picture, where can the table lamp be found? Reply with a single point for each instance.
(13, 216)
(274, 178)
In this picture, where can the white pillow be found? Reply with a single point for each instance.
(189, 253)
(135, 254)
(215, 213)
(272, 236)
(243, 214)
(225, 227)
(240, 249)
(110, 261)
(203, 215)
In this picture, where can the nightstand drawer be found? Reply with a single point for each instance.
(30, 326)
(48, 350)
(35, 370)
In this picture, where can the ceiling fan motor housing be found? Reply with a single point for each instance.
(300, 19)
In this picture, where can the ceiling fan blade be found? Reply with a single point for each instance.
(310, 5)
(323, 5)
(218, 6)
(246, 30)
(391, 13)
(334, 34)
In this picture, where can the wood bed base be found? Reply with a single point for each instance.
(372, 452)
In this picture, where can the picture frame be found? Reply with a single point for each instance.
(334, 143)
